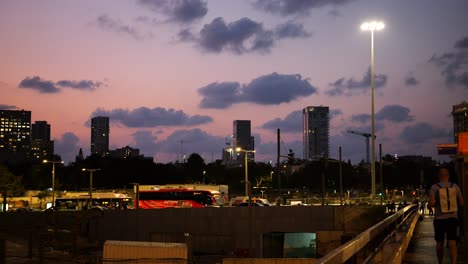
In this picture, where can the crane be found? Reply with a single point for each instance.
(367, 136)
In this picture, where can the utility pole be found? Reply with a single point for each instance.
(278, 165)
(341, 176)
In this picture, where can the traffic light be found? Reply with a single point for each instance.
(380, 194)
(414, 193)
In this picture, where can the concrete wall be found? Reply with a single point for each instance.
(208, 230)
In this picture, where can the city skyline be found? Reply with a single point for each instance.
(164, 76)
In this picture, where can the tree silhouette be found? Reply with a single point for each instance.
(194, 168)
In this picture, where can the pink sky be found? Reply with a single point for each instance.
(148, 66)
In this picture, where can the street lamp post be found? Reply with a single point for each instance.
(91, 171)
(246, 161)
(372, 26)
(53, 176)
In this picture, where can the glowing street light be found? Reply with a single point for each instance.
(53, 176)
(372, 26)
(91, 171)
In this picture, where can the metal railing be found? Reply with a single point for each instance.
(348, 250)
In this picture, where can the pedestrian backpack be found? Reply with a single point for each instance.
(447, 199)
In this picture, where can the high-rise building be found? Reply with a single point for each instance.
(316, 132)
(100, 135)
(41, 145)
(15, 132)
(460, 119)
(242, 138)
(40, 130)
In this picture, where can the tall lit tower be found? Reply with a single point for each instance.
(100, 135)
(316, 132)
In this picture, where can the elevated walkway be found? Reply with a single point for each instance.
(422, 246)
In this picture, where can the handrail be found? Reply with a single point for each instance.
(346, 251)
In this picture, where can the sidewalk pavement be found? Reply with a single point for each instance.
(422, 248)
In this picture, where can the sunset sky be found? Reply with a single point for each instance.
(172, 70)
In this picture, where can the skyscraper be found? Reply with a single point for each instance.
(100, 135)
(460, 119)
(242, 138)
(15, 132)
(41, 145)
(316, 132)
(40, 130)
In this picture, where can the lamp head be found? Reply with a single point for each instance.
(372, 26)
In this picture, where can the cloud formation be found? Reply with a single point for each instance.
(295, 7)
(291, 123)
(268, 89)
(152, 117)
(454, 65)
(241, 36)
(8, 107)
(423, 133)
(410, 80)
(351, 86)
(46, 86)
(67, 146)
(195, 140)
(392, 113)
(116, 25)
(177, 11)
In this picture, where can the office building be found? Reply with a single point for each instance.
(41, 145)
(242, 138)
(460, 119)
(15, 132)
(100, 135)
(316, 132)
(125, 153)
(40, 130)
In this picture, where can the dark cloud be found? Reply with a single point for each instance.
(46, 86)
(146, 141)
(454, 65)
(291, 123)
(424, 133)
(351, 86)
(269, 89)
(147, 117)
(291, 29)
(80, 85)
(392, 113)
(67, 146)
(8, 107)
(241, 36)
(410, 80)
(178, 11)
(335, 112)
(361, 118)
(38, 84)
(116, 25)
(462, 43)
(295, 7)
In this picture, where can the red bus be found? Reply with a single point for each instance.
(180, 198)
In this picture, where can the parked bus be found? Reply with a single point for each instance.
(179, 198)
(102, 200)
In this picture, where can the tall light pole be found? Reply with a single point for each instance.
(246, 161)
(372, 26)
(91, 171)
(53, 176)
